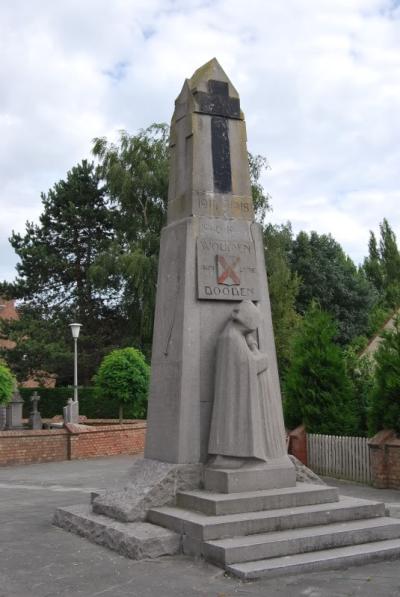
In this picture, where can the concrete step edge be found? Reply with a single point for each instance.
(202, 527)
(363, 523)
(317, 561)
(215, 504)
(260, 547)
(197, 517)
(299, 488)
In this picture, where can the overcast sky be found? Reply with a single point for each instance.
(319, 82)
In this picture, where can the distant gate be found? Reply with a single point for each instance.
(341, 457)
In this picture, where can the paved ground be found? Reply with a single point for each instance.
(39, 560)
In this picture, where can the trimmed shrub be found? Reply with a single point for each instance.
(123, 378)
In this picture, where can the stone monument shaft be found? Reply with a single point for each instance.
(211, 256)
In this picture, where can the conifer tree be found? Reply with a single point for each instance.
(317, 390)
(385, 406)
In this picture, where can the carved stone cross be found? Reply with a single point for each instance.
(35, 399)
(221, 107)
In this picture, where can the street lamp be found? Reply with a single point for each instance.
(75, 329)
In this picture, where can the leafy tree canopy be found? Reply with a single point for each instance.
(283, 289)
(382, 266)
(7, 383)
(55, 284)
(123, 377)
(331, 278)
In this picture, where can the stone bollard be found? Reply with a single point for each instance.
(14, 411)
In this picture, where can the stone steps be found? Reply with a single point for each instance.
(310, 539)
(327, 559)
(214, 504)
(136, 540)
(204, 528)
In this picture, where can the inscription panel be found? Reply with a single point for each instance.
(226, 270)
(227, 206)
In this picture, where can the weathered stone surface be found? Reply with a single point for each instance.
(305, 474)
(138, 540)
(393, 510)
(327, 559)
(262, 476)
(153, 483)
(244, 424)
(209, 205)
(214, 504)
(71, 412)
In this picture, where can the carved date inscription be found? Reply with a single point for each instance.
(226, 270)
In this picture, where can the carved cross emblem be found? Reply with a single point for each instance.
(226, 270)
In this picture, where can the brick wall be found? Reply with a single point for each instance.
(73, 442)
(298, 443)
(25, 447)
(384, 450)
(106, 440)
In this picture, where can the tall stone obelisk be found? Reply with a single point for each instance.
(211, 258)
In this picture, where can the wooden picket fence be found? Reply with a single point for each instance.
(341, 457)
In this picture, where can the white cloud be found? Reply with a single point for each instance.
(319, 84)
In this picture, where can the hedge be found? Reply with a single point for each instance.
(91, 404)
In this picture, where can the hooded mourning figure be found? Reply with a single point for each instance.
(243, 415)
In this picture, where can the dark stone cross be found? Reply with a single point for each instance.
(220, 106)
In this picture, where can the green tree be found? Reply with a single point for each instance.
(390, 258)
(331, 278)
(360, 370)
(385, 404)
(7, 383)
(317, 389)
(123, 377)
(55, 284)
(135, 172)
(283, 289)
(382, 266)
(261, 199)
(372, 264)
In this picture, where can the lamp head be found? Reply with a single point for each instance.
(75, 329)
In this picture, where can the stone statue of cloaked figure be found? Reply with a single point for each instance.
(246, 426)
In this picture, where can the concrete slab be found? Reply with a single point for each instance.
(55, 563)
(321, 560)
(211, 503)
(200, 526)
(136, 540)
(264, 476)
(297, 541)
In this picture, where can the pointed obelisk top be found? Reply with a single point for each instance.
(209, 174)
(210, 71)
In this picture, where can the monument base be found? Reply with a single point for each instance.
(273, 475)
(154, 483)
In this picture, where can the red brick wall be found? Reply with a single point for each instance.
(106, 440)
(74, 442)
(384, 450)
(298, 443)
(25, 447)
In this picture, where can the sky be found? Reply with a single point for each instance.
(319, 82)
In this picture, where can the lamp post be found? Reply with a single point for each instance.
(75, 329)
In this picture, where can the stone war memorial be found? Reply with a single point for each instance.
(216, 480)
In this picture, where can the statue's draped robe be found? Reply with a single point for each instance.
(238, 426)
